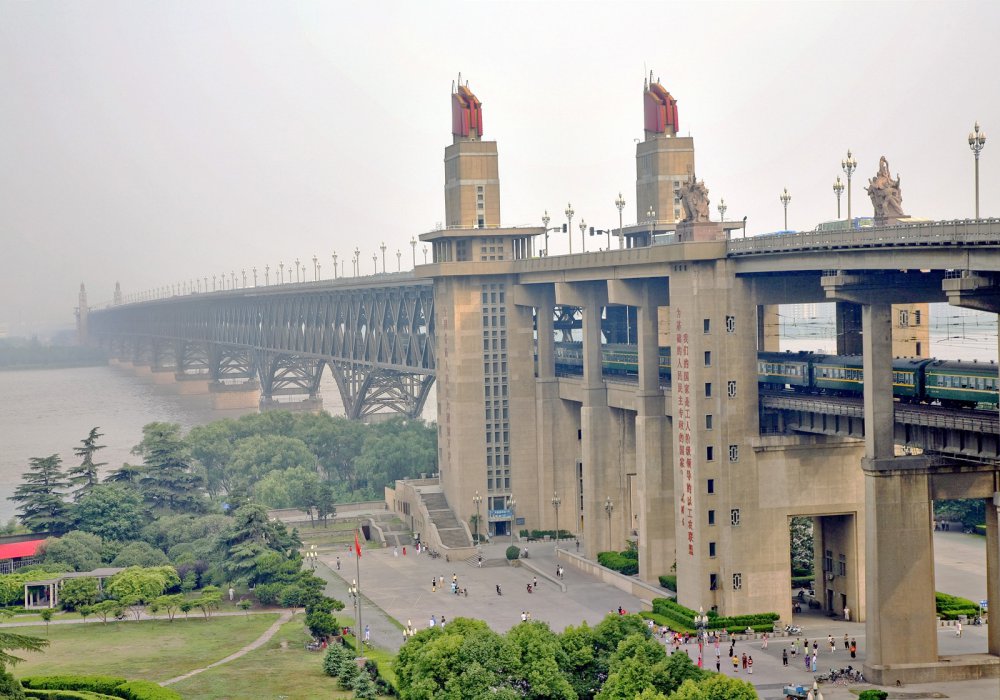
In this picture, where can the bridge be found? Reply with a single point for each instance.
(704, 474)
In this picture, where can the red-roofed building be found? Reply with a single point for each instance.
(14, 555)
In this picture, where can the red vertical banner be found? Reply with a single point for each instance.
(357, 544)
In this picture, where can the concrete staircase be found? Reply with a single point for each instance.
(452, 534)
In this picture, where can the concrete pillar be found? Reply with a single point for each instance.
(901, 627)
(653, 450)
(163, 376)
(993, 572)
(848, 328)
(768, 328)
(234, 396)
(192, 384)
(876, 322)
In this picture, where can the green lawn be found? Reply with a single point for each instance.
(152, 650)
(280, 668)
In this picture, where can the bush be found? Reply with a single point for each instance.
(669, 582)
(335, 655)
(802, 581)
(9, 687)
(950, 607)
(146, 690)
(103, 685)
(622, 562)
(873, 694)
(762, 622)
(513, 553)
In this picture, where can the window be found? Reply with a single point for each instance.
(842, 565)
(904, 318)
(734, 517)
(711, 486)
(710, 453)
(707, 325)
(916, 317)
(708, 390)
(708, 358)
(711, 517)
(731, 388)
(711, 549)
(730, 324)
(713, 582)
(828, 561)
(708, 422)
(734, 453)
(737, 581)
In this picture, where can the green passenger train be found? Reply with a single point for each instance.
(919, 380)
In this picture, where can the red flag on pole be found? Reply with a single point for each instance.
(357, 544)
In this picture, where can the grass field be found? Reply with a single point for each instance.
(154, 650)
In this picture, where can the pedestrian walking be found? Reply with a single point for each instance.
(338, 563)
(395, 551)
(847, 614)
(498, 590)
(480, 557)
(763, 644)
(808, 660)
(750, 665)
(847, 644)
(958, 628)
(784, 657)
(833, 644)
(718, 665)
(368, 632)
(744, 661)
(736, 664)
(814, 663)
(854, 649)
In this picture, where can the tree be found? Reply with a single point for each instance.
(536, 673)
(167, 480)
(250, 539)
(106, 608)
(140, 584)
(801, 530)
(110, 511)
(76, 593)
(85, 476)
(209, 600)
(321, 624)
(42, 508)
(10, 641)
(212, 449)
(80, 550)
(140, 554)
(255, 457)
(170, 604)
(126, 474)
(715, 687)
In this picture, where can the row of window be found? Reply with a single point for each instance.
(955, 381)
(495, 381)
(841, 563)
(847, 373)
(713, 581)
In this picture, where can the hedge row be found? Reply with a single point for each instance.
(618, 561)
(541, 534)
(669, 582)
(802, 581)
(66, 695)
(110, 686)
(737, 623)
(950, 607)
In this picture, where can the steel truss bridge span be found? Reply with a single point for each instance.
(376, 337)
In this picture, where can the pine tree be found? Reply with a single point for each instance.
(42, 507)
(85, 476)
(167, 479)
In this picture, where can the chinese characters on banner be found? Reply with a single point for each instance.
(682, 385)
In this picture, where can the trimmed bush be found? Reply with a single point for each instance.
(103, 685)
(146, 690)
(873, 694)
(669, 582)
(622, 562)
(761, 622)
(802, 581)
(64, 695)
(950, 607)
(513, 553)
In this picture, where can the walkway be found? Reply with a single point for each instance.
(284, 617)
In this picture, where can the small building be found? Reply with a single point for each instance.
(14, 555)
(39, 595)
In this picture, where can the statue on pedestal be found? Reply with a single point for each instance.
(694, 197)
(885, 194)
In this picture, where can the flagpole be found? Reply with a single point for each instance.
(359, 633)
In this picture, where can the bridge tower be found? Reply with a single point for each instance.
(472, 179)
(81, 316)
(663, 159)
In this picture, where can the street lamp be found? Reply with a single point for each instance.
(399, 261)
(569, 226)
(334, 256)
(701, 621)
(511, 506)
(311, 556)
(375, 263)
(383, 258)
(849, 165)
(785, 199)
(267, 275)
(413, 247)
(651, 220)
(244, 278)
(608, 507)
(620, 203)
(425, 255)
(977, 140)
(838, 189)
(556, 502)
(297, 263)
(315, 269)
(281, 265)
(583, 238)
(355, 591)
(545, 225)
(477, 501)
(722, 209)
(213, 283)
(357, 261)
(255, 277)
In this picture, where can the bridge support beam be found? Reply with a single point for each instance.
(240, 396)
(993, 571)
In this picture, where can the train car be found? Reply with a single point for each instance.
(963, 384)
(842, 375)
(569, 357)
(620, 359)
(779, 370)
(908, 378)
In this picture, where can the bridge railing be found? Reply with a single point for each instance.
(930, 233)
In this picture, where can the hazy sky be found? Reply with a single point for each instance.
(153, 142)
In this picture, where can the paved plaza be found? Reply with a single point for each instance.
(399, 587)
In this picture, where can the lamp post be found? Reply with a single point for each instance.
(315, 269)
(399, 261)
(722, 209)
(281, 278)
(651, 220)
(375, 263)
(701, 620)
(620, 203)
(357, 261)
(849, 165)
(785, 199)
(425, 255)
(556, 502)
(608, 507)
(355, 590)
(382, 247)
(477, 500)
(413, 247)
(311, 556)
(232, 276)
(977, 140)
(267, 275)
(511, 506)
(545, 225)
(334, 256)
(297, 263)
(213, 283)
(569, 227)
(244, 272)
(255, 277)
(838, 189)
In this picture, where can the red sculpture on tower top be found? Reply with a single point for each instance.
(660, 109)
(466, 112)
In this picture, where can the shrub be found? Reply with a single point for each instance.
(146, 690)
(335, 655)
(675, 611)
(622, 562)
(873, 694)
(669, 582)
(96, 684)
(9, 687)
(268, 593)
(513, 553)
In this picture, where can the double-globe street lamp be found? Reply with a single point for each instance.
(849, 165)
(620, 204)
(477, 500)
(722, 209)
(608, 507)
(838, 189)
(511, 506)
(569, 226)
(556, 502)
(785, 199)
(977, 140)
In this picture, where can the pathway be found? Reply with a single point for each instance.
(285, 616)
